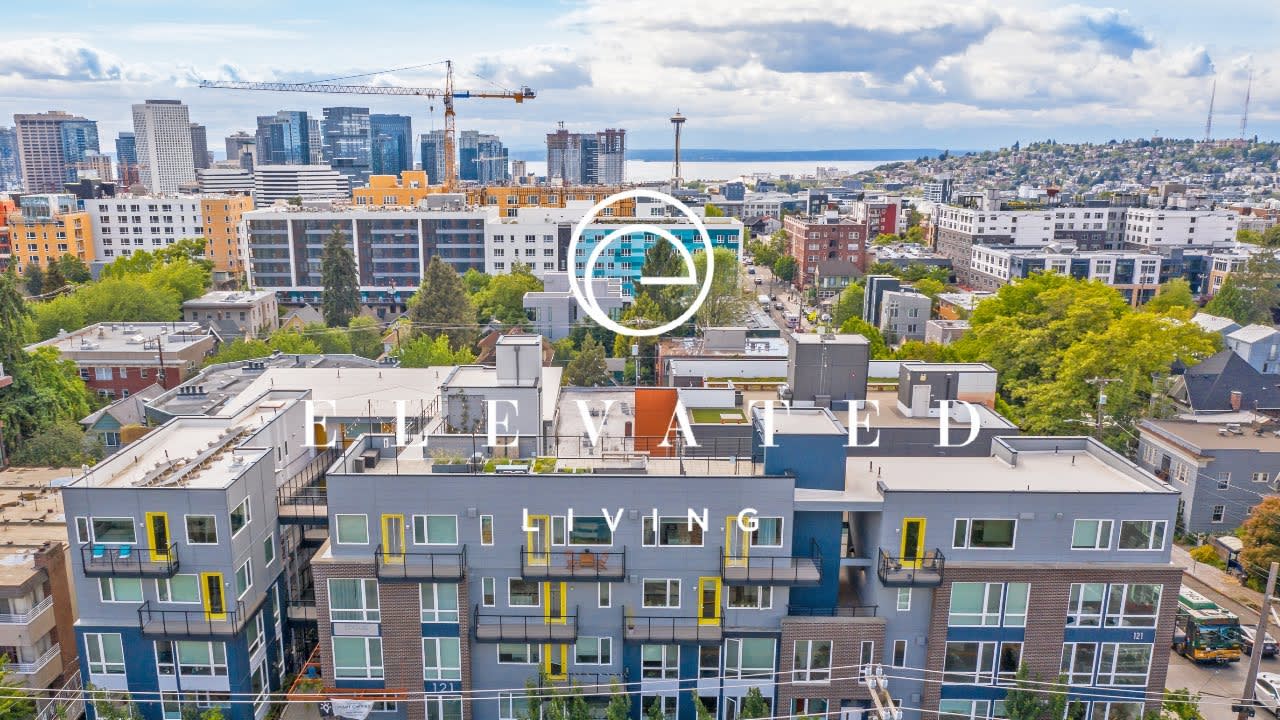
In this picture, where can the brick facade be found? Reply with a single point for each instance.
(846, 635)
(1047, 615)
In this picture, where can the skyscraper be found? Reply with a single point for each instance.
(163, 132)
(241, 148)
(433, 156)
(284, 139)
(482, 158)
(391, 144)
(586, 158)
(199, 146)
(127, 159)
(10, 167)
(48, 152)
(315, 140)
(346, 142)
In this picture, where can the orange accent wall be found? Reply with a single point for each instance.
(654, 410)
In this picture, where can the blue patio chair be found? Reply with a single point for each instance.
(99, 552)
(125, 552)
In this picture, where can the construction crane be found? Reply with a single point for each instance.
(1208, 124)
(448, 94)
(1244, 116)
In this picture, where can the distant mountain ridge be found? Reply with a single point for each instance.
(731, 155)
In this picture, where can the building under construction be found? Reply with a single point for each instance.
(586, 158)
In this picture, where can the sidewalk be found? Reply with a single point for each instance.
(1216, 579)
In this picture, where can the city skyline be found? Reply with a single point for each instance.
(777, 76)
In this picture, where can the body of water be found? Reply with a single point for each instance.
(642, 170)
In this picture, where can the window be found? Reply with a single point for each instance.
(750, 597)
(1010, 660)
(512, 706)
(709, 661)
(244, 578)
(899, 658)
(753, 657)
(663, 593)
(120, 590)
(435, 529)
(441, 659)
(590, 530)
(986, 534)
(963, 709)
(808, 707)
(768, 532)
(202, 530)
(255, 631)
(352, 529)
(1224, 480)
(1133, 605)
(357, 657)
(1141, 535)
(904, 599)
(593, 651)
(488, 592)
(1091, 535)
(353, 599)
(518, 654)
(672, 532)
(439, 602)
(666, 705)
(522, 593)
(1084, 609)
(1261, 477)
(812, 661)
(975, 604)
(1117, 710)
(969, 662)
(486, 529)
(1078, 662)
(1123, 663)
(1219, 512)
(269, 549)
(239, 517)
(1015, 604)
(660, 661)
(114, 531)
(604, 595)
(444, 707)
(105, 652)
(179, 589)
(82, 530)
(191, 658)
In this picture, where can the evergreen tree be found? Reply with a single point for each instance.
(753, 705)
(655, 709)
(35, 280)
(619, 707)
(441, 305)
(15, 317)
(73, 269)
(587, 368)
(53, 278)
(663, 260)
(366, 337)
(341, 286)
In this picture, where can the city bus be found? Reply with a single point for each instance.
(1205, 632)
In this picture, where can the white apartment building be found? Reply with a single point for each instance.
(163, 132)
(1135, 274)
(1031, 228)
(765, 203)
(1155, 228)
(225, 180)
(535, 236)
(122, 225)
(309, 182)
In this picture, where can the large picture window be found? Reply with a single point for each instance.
(354, 600)
(1084, 608)
(1133, 605)
(975, 604)
(439, 602)
(1124, 663)
(357, 657)
(1141, 535)
(984, 534)
(812, 661)
(112, 531)
(441, 659)
(590, 530)
(748, 657)
(671, 532)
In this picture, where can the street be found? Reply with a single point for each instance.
(772, 286)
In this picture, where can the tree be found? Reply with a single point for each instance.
(425, 351)
(929, 286)
(1024, 701)
(441, 305)
(1250, 294)
(1245, 235)
(240, 349)
(915, 234)
(848, 304)
(619, 707)
(725, 303)
(929, 352)
(111, 706)
(365, 336)
(1271, 237)
(700, 710)
(654, 711)
(711, 210)
(1260, 534)
(663, 260)
(53, 278)
(15, 318)
(1175, 293)
(46, 390)
(73, 268)
(785, 268)
(644, 312)
(34, 279)
(587, 368)
(341, 297)
(1183, 703)
(886, 239)
(753, 705)
(502, 298)
(857, 326)
(62, 444)
(15, 703)
(292, 342)
(332, 340)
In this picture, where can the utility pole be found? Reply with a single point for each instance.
(1102, 400)
(1246, 708)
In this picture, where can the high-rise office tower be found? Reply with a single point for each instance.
(10, 167)
(490, 160)
(346, 142)
(163, 132)
(199, 146)
(49, 146)
(284, 139)
(586, 158)
(433, 156)
(241, 148)
(127, 160)
(391, 144)
(316, 140)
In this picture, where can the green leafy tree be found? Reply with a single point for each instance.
(1260, 534)
(644, 312)
(62, 444)
(365, 336)
(848, 304)
(240, 349)
(332, 340)
(292, 342)
(1271, 238)
(1183, 703)
(725, 303)
(341, 298)
(886, 239)
(857, 326)
(711, 210)
(915, 234)
(34, 278)
(46, 390)
(1024, 701)
(1175, 293)
(1250, 294)
(654, 711)
(425, 351)
(1233, 301)
(619, 707)
(15, 318)
(663, 260)
(73, 269)
(587, 368)
(700, 710)
(502, 298)
(15, 703)
(474, 281)
(1245, 235)
(929, 352)
(785, 268)
(53, 278)
(188, 249)
(112, 706)
(753, 705)
(929, 286)
(441, 305)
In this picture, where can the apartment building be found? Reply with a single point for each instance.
(534, 236)
(597, 158)
(554, 312)
(1159, 229)
(412, 187)
(7, 207)
(116, 359)
(885, 215)
(903, 314)
(235, 313)
(1136, 275)
(623, 256)
(49, 146)
(163, 133)
(126, 224)
(46, 228)
(224, 244)
(272, 183)
(814, 240)
(959, 229)
(228, 180)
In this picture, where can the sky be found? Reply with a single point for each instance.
(749, 74)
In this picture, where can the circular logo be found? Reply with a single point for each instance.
(587, 299)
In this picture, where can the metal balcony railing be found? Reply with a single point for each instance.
(563, 564)
(499, 627)
(101, 560)
(758, 569)
(833, 611)
(28, 616)
(421, 565)
(192, 623)
(923, 571)
(29, 668)
(586, 683)
(301, 611)
(669, 628)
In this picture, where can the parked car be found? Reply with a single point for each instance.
(759, 281)
(778, 306)
(1247, 635)
(1266, 691)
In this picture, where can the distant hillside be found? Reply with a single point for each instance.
(730, 155)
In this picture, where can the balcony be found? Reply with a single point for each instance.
(840, 611)
(26, 617)
(128, 561)
(190, 623)
(582, 564)
(34, 667)
(302, 612)
(925, 571)
(494, 627)
(772, 570)
(670, 629)
(416, 566)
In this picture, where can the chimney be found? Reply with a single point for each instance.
(1236, 397)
